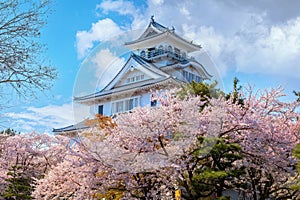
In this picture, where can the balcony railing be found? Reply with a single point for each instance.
(153, 54)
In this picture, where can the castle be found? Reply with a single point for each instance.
(159, 59)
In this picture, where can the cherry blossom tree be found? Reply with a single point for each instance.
(267, 129)
(25, 158)
(73, 178)
(150, 152)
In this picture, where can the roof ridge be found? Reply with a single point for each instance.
(157, 25)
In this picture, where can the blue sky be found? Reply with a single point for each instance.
(259, 42)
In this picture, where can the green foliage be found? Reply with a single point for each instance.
(236, 90)
(178, 136)
(9, 132)
(19, 186)
(113, 193)
(215, 170)
(224, 198)
(298, 95)
(205, 90)
(296, 153)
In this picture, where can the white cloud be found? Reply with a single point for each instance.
(99, 68)
(260, 37)
(213, 44)
(82, 112)
(268, 49)
(280, 11)
(107, 64)
(185, 12)
(122, 7)
(106, 29)
(103, 30)
(104, 59)
(206, 36)
(241, 37)
(41, 118)
(157, 2)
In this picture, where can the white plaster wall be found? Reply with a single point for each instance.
(145, 100)
(164, 62)
(107, 108)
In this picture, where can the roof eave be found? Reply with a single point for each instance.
(139, 43)
(112, 94)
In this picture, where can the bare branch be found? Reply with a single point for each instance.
(22, 66)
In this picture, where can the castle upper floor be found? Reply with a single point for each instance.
(158, 40)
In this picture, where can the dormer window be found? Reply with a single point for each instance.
(170, 48)
(143, 53)
(135, 78)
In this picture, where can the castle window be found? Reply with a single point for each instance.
(135, 78)
(124, 105)
(153, 102)
(119, 106)
(185, 75)
(189, 77)
(100, 109)
(130, 104)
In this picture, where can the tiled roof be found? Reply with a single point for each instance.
(137, 86)
(158, 26)
(141, 61)
(76, 127)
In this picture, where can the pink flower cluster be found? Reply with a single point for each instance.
(150, 147)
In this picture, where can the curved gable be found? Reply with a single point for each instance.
(132, 69)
